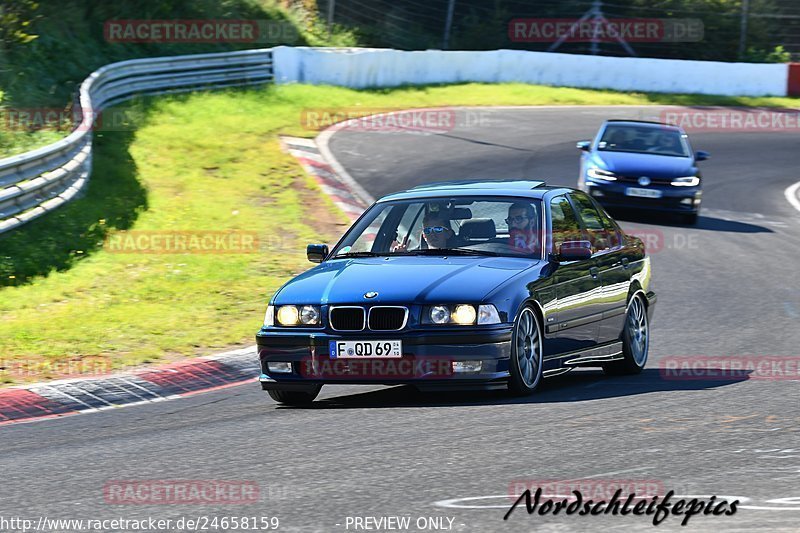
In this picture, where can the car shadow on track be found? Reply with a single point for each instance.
(704, 222)
(576, 386)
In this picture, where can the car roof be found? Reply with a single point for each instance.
(474, 187)
(643, 123)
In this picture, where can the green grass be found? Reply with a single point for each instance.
(206, 161)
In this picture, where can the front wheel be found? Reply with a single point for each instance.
(294, 397)
(525, 366)
(635, 340)
(690, 219)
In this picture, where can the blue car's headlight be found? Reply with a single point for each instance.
(294, 315)
(269, 318)
(600, 174)
(440, 314)
(463, 314)
(487, 314)
(686, 181)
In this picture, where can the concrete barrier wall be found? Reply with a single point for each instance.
(359, 68)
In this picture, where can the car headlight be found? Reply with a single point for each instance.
(288, 315)
(600, 174)
(440, 314)
(309, 315)
(686, 181)
(294, 315)
(487, 314)
(269, 318)
(463, 314)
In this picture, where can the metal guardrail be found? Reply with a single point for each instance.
(36, 182)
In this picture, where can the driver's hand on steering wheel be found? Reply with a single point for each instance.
(399, 247)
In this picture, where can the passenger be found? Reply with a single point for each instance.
(618, 140)
(523, 228)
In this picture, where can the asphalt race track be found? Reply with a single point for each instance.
(728, 286)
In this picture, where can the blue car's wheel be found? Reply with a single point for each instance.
(690, 219)
(525, 366)
(294, 397)
(635, 340)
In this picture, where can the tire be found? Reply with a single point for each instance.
(294, 397)
(690, 219)
(525, 366)
(635, 340)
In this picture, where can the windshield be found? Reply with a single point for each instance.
(645, 140)
(475, 225)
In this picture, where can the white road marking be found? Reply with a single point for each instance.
(791, 195)
(452, 504)
(609, 474)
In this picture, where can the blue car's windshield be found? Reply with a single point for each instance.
(644, 140)
(469, 226)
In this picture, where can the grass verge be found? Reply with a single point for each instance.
(206, 162)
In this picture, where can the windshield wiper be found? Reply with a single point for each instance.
(358, 254)
(470, 251)
(451, 251)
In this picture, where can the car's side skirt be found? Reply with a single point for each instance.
(596, 355)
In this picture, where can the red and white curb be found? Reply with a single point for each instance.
(158, 384)
(329, 175)
(76, 396)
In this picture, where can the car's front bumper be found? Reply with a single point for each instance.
(673, 199)
(426, 363)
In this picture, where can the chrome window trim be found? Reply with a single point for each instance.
(405, 317)
(363, 311)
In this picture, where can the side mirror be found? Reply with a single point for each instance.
(701, 155)
(574, 251)
(583, 145)
(316, 253)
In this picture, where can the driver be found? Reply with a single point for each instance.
(437, 233)
(669, 143)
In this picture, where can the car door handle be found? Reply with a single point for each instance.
(594, 272)
(625, 262)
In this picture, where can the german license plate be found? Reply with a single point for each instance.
(643, 193)
(366, 349)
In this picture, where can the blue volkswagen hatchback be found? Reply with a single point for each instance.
(463, 284)
(642, 165)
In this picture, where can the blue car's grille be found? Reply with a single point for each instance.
(387, 318)
(347, 318)
(635, 179)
